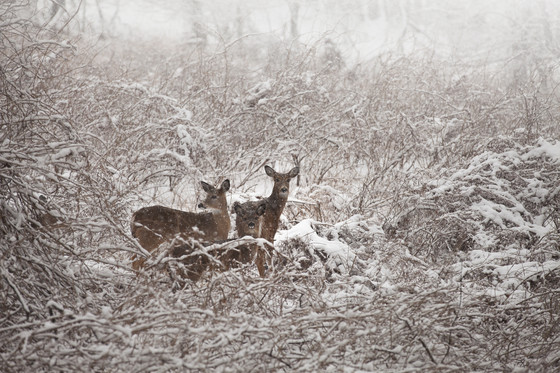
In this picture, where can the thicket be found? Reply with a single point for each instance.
(426, 149)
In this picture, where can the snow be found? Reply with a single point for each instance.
(502, 216)
(544, 149)
(514, 274)
(480, 257)
(341, 255)
(508, 277)
(469, 270)
(67, 152)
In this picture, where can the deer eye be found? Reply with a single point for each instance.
(277, 180)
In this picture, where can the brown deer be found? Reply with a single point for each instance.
(221, 256)
(154, 225)
(275, 204)
(248, 219)
(249, 222)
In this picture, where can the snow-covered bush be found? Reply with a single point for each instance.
(498, 216)
(498, 200)
(460, 170)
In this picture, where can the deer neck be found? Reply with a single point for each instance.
(260, 227)
(221, 217)
(276, 203)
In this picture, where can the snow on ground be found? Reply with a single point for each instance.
(339, 256)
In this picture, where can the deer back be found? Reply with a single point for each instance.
(154, 225)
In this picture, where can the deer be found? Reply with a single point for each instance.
(224, 255)
(249, 222)
(154, 225)
(275, 204)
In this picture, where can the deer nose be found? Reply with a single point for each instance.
(251, 225)
(201, 206)
(284, 190)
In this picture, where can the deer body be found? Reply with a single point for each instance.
(223, 255)
(275, 204)
(218, 256)
(154, 225)
(249, 222)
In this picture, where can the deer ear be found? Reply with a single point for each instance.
(237, 208)
(261, 209)
(269, 171)
(207, 187)
(225, 185)
(293, 172)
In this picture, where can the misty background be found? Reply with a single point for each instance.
(521, 36)
(422, 232)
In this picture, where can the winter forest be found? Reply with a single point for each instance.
(421, 233)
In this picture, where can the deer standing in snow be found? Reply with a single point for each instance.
(221, 256)
(249, 222)
(275, 204)
(154, 225)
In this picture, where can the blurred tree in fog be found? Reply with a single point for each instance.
(517, 33)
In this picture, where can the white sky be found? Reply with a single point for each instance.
(360, 28)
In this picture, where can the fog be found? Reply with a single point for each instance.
(421, 232)
(357, 29)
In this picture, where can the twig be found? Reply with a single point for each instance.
(16, 290)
